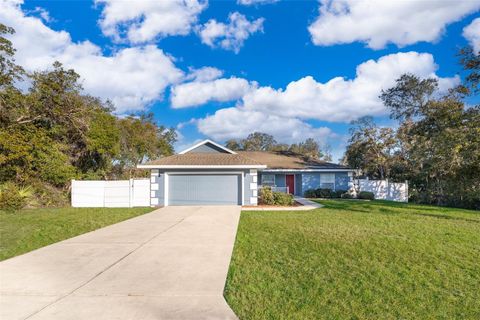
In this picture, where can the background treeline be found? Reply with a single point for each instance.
(259, 141)
(51, 132)
(435, 144)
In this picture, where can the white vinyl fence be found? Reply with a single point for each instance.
(384, 189)
(111, 194)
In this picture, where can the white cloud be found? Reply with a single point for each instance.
(282, 112)
(204, 74)
(42, 13)
(132, 78)
(238, 123)
(229, 36)
(145, 20)
(197, 92)
(255, 2)
(343, 100)
(379, 22)
(472, 34)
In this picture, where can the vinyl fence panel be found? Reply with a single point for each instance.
(111, 194)
(141, 193)
(385, 190)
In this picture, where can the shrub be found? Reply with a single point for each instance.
(346, 195)
(283, 199)
(338, 193)
(366, 195)
(13, 198)
(324, 193)
(265, 196)
(310, 193)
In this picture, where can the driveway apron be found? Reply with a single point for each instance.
(168, 264)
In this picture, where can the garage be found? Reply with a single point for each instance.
(204, 174)
(204, 189)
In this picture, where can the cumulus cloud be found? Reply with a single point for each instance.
(379, 22)
(238, 123)
(204, 74)
(255, 2)
(146, 20)
(340, 99)
(337, 100)
(196, 93)
(132, 78)
(229, 36)
(472, 34)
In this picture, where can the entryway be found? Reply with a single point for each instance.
(290, 182)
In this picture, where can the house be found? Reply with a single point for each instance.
(211, 174)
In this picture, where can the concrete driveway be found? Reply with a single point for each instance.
(168, 264)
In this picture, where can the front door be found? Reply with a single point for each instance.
(291, 183)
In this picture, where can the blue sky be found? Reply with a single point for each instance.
(221, 69)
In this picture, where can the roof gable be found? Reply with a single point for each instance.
(207, 146)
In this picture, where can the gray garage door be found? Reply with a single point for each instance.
(214, 189)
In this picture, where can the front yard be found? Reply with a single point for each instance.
(357, 260)
(31, 229)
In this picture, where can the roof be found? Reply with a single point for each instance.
(208, 154)
(205, 159)
(289, 160)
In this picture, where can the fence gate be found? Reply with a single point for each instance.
(111, 194)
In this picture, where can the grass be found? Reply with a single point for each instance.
(357, 260)
(30, 229)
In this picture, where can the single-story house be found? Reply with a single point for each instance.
(211, 174)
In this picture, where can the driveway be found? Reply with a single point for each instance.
(168, 264)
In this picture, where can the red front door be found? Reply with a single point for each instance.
(291, 183)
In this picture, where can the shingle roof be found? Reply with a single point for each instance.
(288, 160)
(206, 159)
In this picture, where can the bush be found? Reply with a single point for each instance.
(13, 198)
(283, 199)
(366, 195)
(265, 196)
(310, 193)
(338, 193)
(346, 195)
(324, 193)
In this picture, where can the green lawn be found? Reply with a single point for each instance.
(30, 229)
(357, 260)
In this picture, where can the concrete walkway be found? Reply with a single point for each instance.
(168, 264)
(305, 205)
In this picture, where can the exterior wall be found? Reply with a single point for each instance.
(207, 148)
(298, 184)
(157, 184)
(250, 192)
(280, 180)
(156, 188)
(342, 180)
(311, 180)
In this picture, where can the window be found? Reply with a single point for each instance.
(327, 181)
(268, 179)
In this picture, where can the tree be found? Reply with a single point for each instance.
(371, 148)
(233, 144)
(470, 61)
(439, 142)
(142, 139)
(309, 148)
(258, 141)
(9, 71)
(409, 96)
